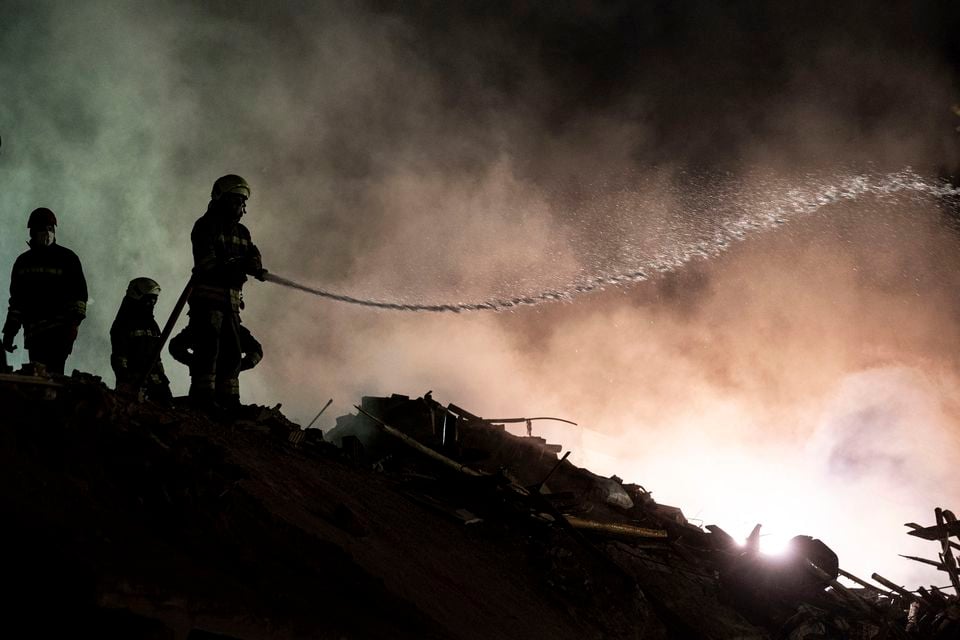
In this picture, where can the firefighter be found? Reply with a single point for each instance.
(223, 257)
(48, 296)
(182, 347)
(135, 340)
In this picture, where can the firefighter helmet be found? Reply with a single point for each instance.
(41, 217)
(230, 183)
(139, 288)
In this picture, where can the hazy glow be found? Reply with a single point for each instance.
(792, 360)
(882, 439)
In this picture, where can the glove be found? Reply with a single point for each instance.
(252, 265)
(8, 345)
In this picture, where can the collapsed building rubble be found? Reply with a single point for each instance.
(795, 596)
(158, 522)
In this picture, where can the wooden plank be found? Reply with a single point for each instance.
(934, 532)
(896, 588)
(615, 528)
(945, 519)
(939, 565)
(859, 581)
(463, 413)
(850, 596)
(425, 450)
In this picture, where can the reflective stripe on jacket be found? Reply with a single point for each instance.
(223, 255)
(134, 339)
(47, 290)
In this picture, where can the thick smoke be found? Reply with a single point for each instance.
(444, 152)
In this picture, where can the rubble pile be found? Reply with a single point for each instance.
(409, 519)
(701, 580)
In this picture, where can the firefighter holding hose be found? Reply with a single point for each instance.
(223, 256)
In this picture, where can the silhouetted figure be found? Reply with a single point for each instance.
(223, 257)
(135, 339)
(48, 296)
(183, 347)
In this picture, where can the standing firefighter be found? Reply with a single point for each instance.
(223, 257)
(48, 296)
(135, 339)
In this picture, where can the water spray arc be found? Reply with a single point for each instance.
(795, 203)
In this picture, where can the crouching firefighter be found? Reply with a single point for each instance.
(223, 257)
(48, 296)
(183, 347)
(135, 339)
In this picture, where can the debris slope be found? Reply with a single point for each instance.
(134, 520)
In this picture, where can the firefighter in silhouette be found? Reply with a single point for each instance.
(183, 347)
(135, 339)
(223, 257)
(48, 296)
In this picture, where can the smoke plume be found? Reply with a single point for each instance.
(787, 360)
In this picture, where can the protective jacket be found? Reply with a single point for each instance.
(135, 338)
(223, 256)
(48, 293)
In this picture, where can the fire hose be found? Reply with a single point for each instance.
(489, 305)
(495, 304)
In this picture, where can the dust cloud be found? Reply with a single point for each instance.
(805, 377)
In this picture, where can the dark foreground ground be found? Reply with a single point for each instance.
(128, 520)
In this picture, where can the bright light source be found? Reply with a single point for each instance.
(774, 544)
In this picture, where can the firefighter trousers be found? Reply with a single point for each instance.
(215, 370)
(50, 347)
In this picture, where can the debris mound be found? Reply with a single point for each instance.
(409, 519)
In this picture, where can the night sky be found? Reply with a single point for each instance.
(803, 374)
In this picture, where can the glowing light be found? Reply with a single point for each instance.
(842, 484)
